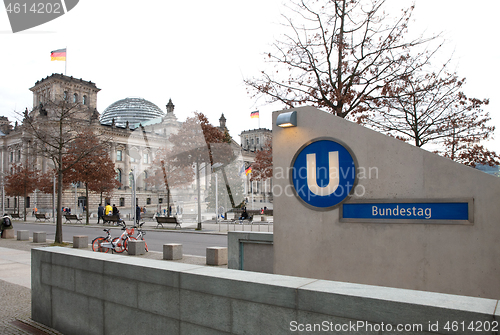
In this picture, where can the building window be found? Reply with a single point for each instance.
(65, 95)
(84, 100)
(75, 97)
(18, 155)
(257, 139)
(145, 158)
(119, 175)
(119, 155)
(122, 202)
(148, 201)
(252, 141)
(11, 156)
(160, 200)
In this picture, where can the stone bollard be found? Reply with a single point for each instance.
(23, 235)
(8, 233)
(136, 247)
(172, 251)
(80, 241)
(39, 237)
(216, 256)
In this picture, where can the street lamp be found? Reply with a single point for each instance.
(132, 203)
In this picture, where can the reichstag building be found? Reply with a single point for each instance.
(137, 129)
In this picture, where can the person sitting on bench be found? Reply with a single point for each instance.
(244, 214)
(116, 211)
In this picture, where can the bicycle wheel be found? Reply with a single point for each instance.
(125, 243)
(96, 244)
(119, 245)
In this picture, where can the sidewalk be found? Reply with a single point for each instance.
(15, 294)
(208, 226)
(15, 270)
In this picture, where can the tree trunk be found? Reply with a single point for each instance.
(59, 234)
(87, 201)
(168, 201)
(25, 199)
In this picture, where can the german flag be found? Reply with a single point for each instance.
(254, 115)
(248, 170)
(58, 54)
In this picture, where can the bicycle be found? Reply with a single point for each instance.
(140, 235)
(98, 241)
(118, 244)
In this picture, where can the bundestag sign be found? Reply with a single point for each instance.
(323, 173)
(434, 211)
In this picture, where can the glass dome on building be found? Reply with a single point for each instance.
(133, 110)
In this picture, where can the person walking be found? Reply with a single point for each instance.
(100, 213)
(137, 214)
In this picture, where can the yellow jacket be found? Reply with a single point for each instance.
(108, 209)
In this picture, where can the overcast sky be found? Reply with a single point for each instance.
(198, 52)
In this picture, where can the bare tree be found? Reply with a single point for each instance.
(431, 108)
(464, 132)
(338, 55)
(54, 127)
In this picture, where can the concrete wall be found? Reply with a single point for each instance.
(456, 259)
(81, 292)
(250, 251)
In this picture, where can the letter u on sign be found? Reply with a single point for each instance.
(333, 173)
(330, 175)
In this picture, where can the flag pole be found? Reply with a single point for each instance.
(66, 61)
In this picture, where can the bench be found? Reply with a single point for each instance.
(74, 217)
(15, 216)
(167, 219)
(110, 218)
(40, 217)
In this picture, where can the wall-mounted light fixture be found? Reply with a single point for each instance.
(285, 120)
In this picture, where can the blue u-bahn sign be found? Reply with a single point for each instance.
(323, 173)
(437, 211)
